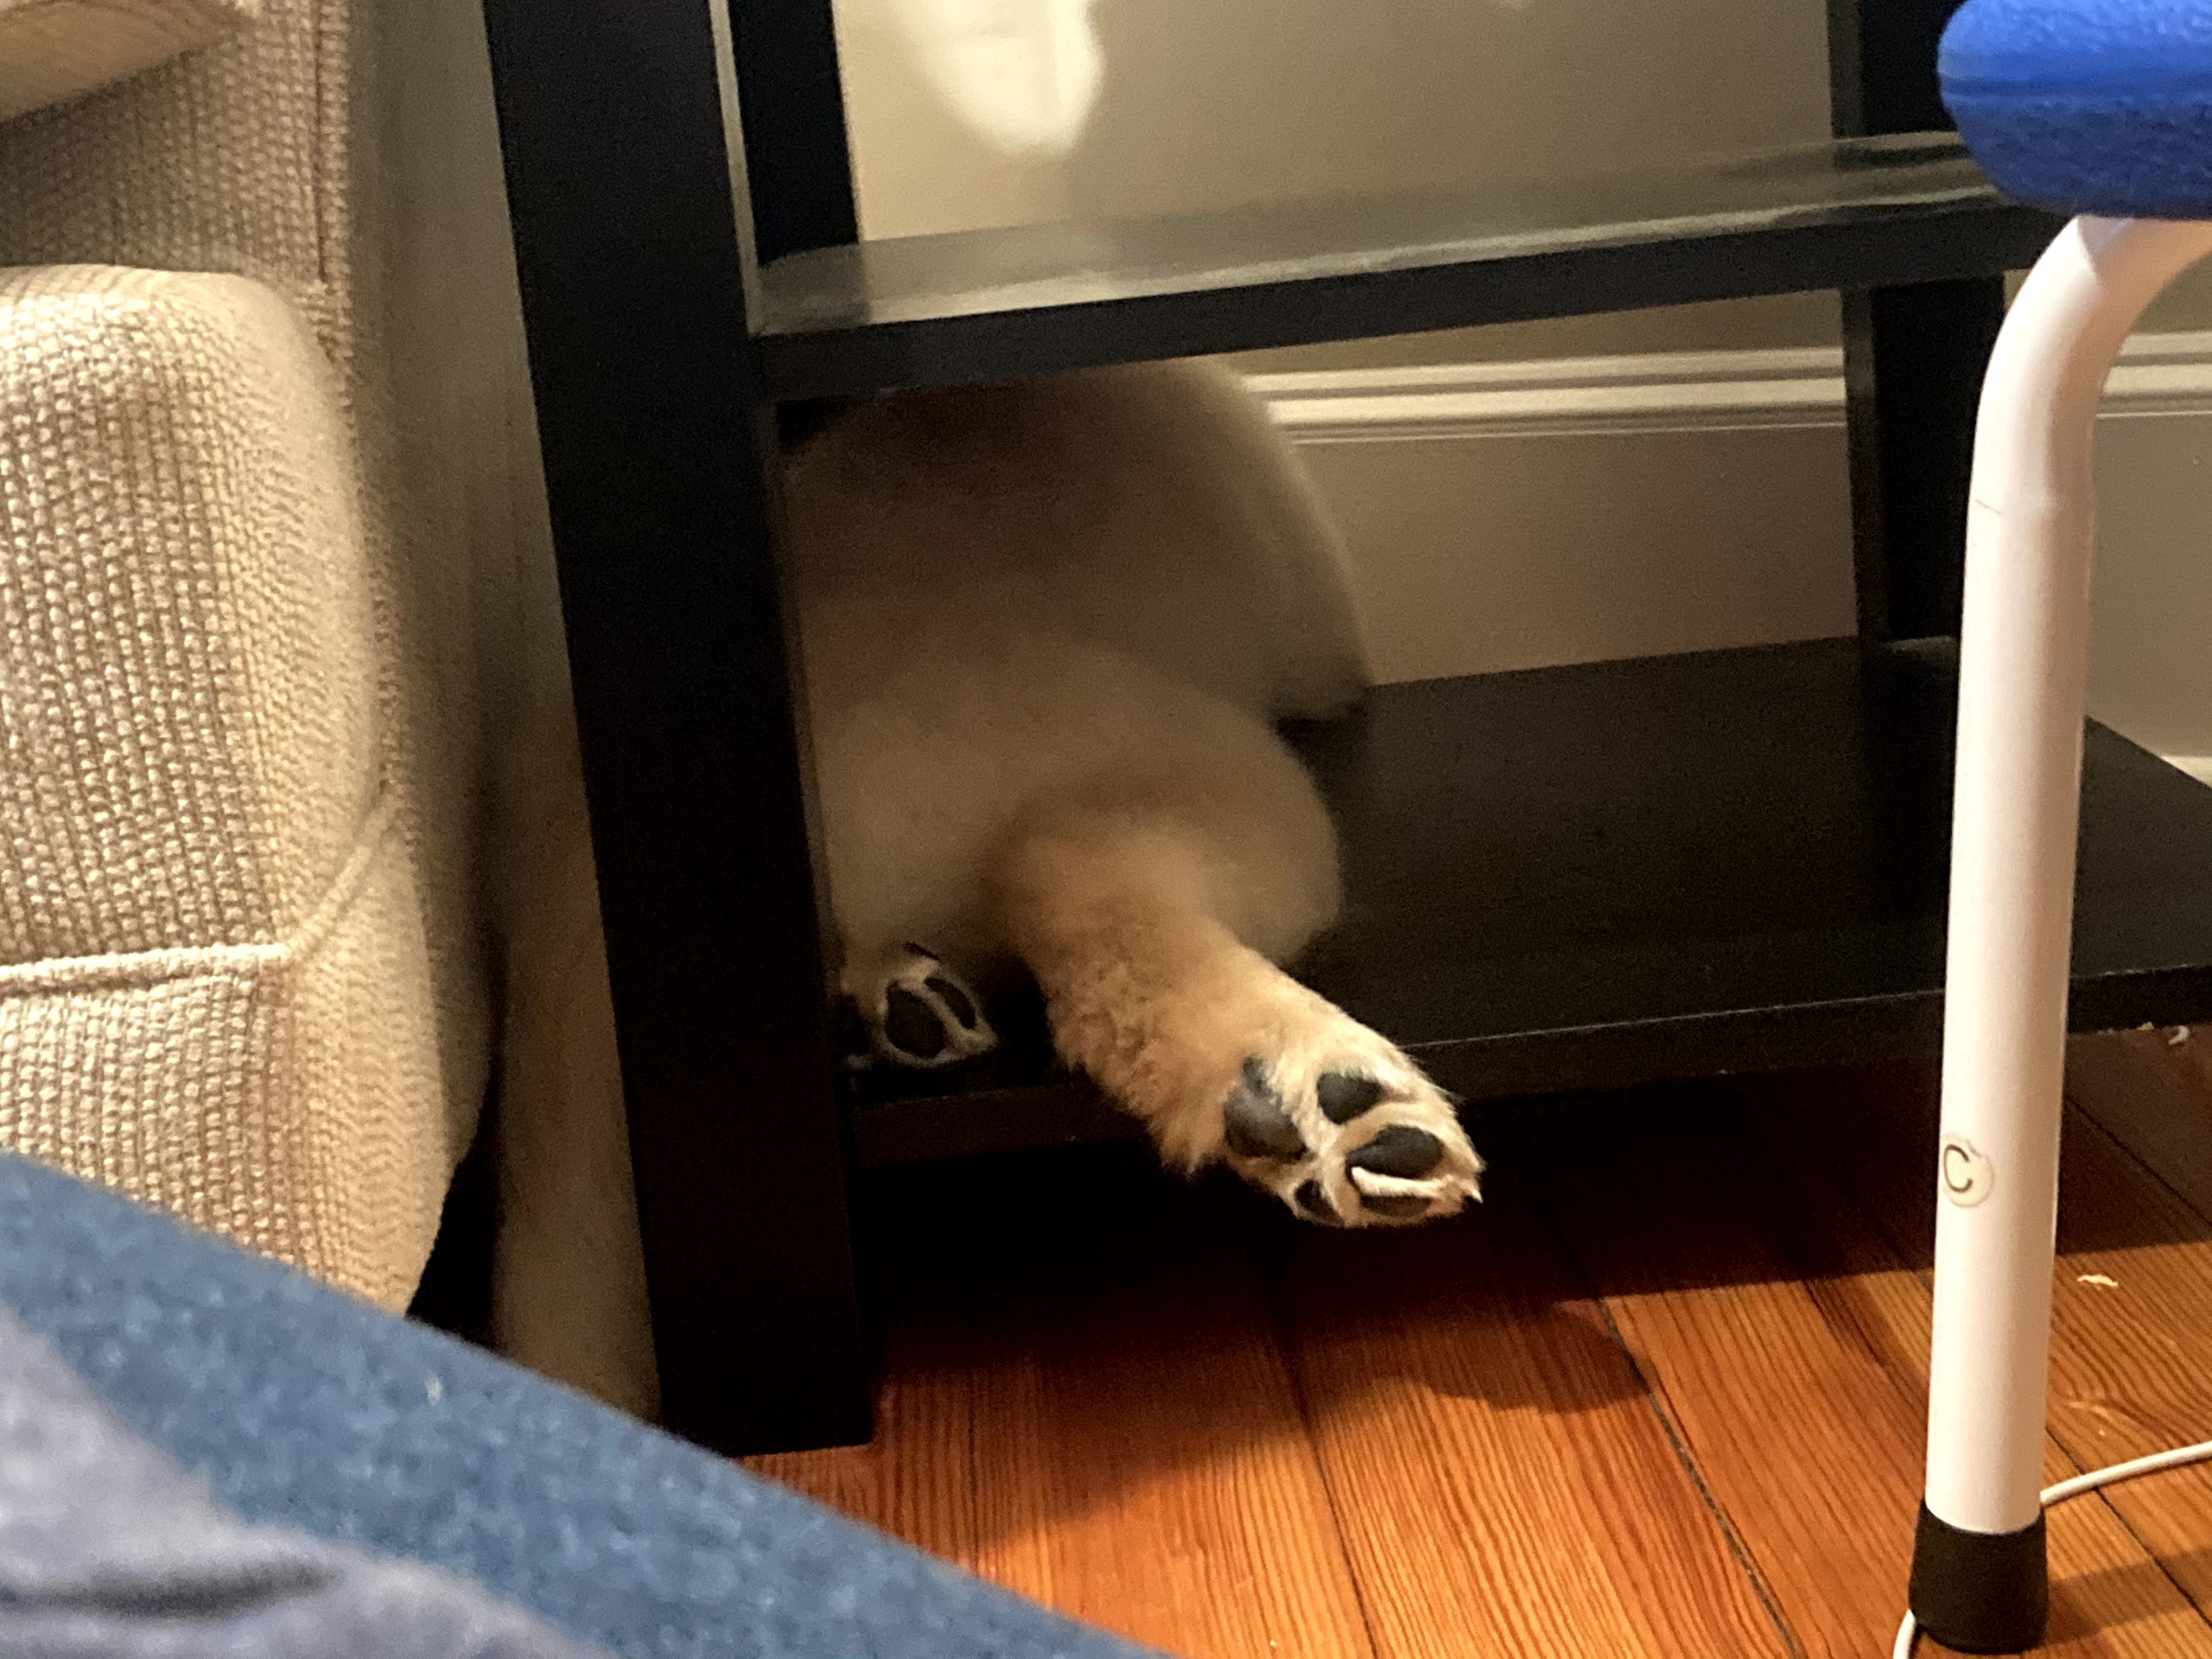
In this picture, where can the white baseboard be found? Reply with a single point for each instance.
(1674, 392)
(1653, 504)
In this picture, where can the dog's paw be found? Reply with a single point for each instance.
(1350, 1135)
(912, 1011)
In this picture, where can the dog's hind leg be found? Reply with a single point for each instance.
(1152, 903)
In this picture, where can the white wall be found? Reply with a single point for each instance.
(2150, 668)
(1503, 542)
(1209, 103)
(1510, 515)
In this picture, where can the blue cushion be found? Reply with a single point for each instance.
(2087, 105)
(302, 1407)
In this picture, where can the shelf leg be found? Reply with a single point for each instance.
(632, 237)
(1913, 361)
(1913, 356)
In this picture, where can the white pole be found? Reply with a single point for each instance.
(2023, 651)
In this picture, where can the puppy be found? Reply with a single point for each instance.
(1045, 631)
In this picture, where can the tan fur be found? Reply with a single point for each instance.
(1045, 630)
(1152, 904)
(1002, 591)
(568, 1289)
(1130, 899)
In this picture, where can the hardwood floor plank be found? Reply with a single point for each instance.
(1503, 1486)
(2132, 1304)
(2132, 1341)
(1787, 1340)
(1088, 1399)
(1087, 1403)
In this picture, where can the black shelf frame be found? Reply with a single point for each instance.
(689, 279)
(1912, 352)
(1882, 211)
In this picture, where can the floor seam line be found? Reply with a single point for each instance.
(1654, 1398)
(1275, 1290)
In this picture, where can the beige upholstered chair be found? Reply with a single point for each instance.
(270, 562)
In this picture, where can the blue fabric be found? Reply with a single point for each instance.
(302, 1407)
(107, 1551)
(2086, 106)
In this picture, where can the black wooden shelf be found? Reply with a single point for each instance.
(986, 305)
(1582, 878)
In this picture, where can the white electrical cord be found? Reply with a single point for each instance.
(1908, 1632)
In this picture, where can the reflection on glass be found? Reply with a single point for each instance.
(1023, 75)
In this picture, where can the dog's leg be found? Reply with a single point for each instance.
(912, 1011)
(1147, 904)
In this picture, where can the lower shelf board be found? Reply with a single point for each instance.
(1593, 877)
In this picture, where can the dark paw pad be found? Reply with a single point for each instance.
(911, 1025)
(1344, 1097)
(1315, 1202)
(1400, 1150)
(1254, 1123)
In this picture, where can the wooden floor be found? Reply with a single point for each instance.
(1660, 1396)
